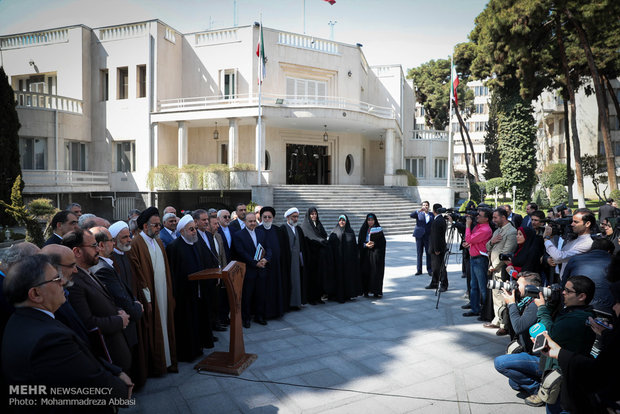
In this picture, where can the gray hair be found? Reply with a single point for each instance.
(85, 221)
(17, 252)
(24, 275)
(197, 213)
(221, 212)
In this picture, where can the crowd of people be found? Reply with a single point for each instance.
(555, 275)
(106, 306)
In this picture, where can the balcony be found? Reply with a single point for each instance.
(25, 99)
(286, 101)
(429, 134)
(34, 39)
(64, 181)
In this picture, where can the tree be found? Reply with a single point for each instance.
(20, 213)
(9, 142)
(491, 143)
(594, 167)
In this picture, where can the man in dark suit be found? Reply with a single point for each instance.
(119, 290)
(514, 218)
(607, 210)
(39, 350)
(438, 251)
(422, 234)
(246, 242)
(93, 302)
(62, 223)
(239, 223)
(529, 209)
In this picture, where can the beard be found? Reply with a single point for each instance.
(292, 224)
(153, 234)
(192, 238)
(266, 225)
(123, 247)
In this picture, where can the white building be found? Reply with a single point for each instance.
(102, 107)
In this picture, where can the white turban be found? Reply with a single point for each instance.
(291, 211)
(184, 221)
(117, 227)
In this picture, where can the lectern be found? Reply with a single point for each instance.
(235, 361)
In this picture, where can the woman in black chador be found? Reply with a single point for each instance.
(317, 262)
(346, 280)
(371, 242)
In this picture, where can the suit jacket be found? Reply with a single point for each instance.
(508, 244)
(228, 249)
(94, 304)
(211, 259)
(234, 226)
(421, 226)
(165, 237)
(527, 221)
(516, 220)
(245, 250)
(123, 297)
(223, 256)
(438, 234)
(605, 211)
(37, 349)
(54, 239)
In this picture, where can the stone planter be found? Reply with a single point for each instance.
(189, 181)
(243, 180)
(216, 181)
(161, 183)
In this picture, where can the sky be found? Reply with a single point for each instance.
(405, 32)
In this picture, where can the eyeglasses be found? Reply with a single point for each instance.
(56, 279)
(94, 245)
(191, 228)
(155, 224)
(226, 217)
(567, 290)
(604, 225)
(68, 266)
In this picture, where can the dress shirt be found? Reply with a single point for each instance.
(148, 239)
(253, 236)
(292, 228)
(226, 231)
(46, 312)
(478, 239)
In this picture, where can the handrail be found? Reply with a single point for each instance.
(65, 178)
(24, 99)
(429, 134)
(35, 38)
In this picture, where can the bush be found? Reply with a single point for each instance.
(554, 174)
(244, 167)
(42, 207)
(559, 195)
(214, 168)
(541, 199)
(498, 182)
(195, 173)
(615, 194)
(412, 180)
(163, 176)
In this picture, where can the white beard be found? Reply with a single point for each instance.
(290, 223)
(266, 225)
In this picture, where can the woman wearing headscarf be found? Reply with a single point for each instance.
(317, 250)
(346, 278)
(371, 242)
(530, 249)
(611, 231)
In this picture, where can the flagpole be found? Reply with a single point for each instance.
(304, 16)
(259, 150)
(450, 149)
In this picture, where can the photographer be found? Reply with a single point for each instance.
(475, 241)
(504, 241)
(583, 224)
(521, 368)
(422, 234)
(537, 219)
(438, 251)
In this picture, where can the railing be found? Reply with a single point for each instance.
(122, 32)
(215, 102)
(459, 183)
(308, 42)
(25, 99)
(58, 178)
(425, 134)
(216, 37)
(170, 35)
(35, 39)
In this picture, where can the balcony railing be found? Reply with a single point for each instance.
(123, 31)
(35, 39)
(308, 42)
(25, 99)
(425, 134)
(217, 102)
(59, 180)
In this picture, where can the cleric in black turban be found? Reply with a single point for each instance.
(144, 217)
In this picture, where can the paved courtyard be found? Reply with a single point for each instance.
(394, 355)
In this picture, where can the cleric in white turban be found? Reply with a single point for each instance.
(291, 211)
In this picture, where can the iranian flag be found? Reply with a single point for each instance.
(332, 2)
(260, 53)
(454, 83)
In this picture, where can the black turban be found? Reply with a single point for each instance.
(146, 215)
(270, 209)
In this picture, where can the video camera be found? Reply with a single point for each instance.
(457, 216)
(552, 293)
(561, 227)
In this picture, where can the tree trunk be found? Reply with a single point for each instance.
(567, 139)
(600, 100)
(614, 98)
(466, 165)
(581, 200)
(473, 154)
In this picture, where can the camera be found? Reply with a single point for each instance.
(552, 293)
(561, 227)
(457, 216)
(505, 256)
(496, 284)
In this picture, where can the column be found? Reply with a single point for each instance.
(389, 151)
(259, 155)
(154, 150)
(182, 144)
(233, 142)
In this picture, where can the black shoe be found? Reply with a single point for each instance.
(246, 324)
(443, 288)
(418, 273)
(295, 308)
(220, 328)
(467, 306)
(431, 286)
(483, 319)
(430, 273)
(366, 295)
(378, 295)
(470, 313)
(320, 302)
(260, 320)
(463, 276)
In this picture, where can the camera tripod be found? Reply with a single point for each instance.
(451, 236)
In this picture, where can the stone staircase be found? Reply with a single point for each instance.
(391, 205)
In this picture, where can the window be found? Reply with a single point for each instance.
(348, 164)
(416, 166)
(33, 153)
(481, 90)
(104, 85)
(267, 161)
(477, 126)
(481, 109)
(141, 76)
(224, 154)
(126, 156)
(306, 90)
(562, 150)
(123, 83)
(230, 84)
(440, 167)
(75, 156)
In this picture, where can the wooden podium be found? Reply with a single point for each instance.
(235, 361)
